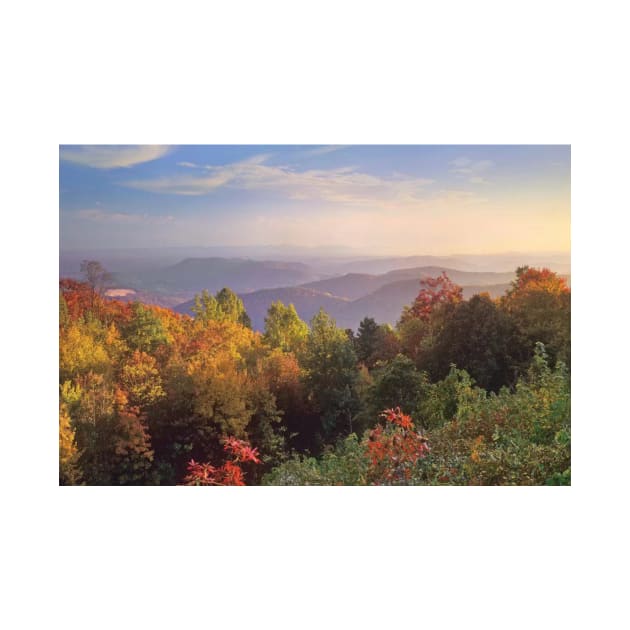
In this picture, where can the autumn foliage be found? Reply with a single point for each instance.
(530, 280)
(149, 396)
(435, 292)
(230, 473)
(393, 449)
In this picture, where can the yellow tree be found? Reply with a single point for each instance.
(69, 473)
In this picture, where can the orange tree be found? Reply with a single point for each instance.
(394, 449)
(539, 302)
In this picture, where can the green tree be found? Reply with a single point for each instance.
(366, 340)
(438, 404)
(266, 430)
(145, 331)
(344, 465)
(331, 376)
(205, 308)
(222, 307)
(284, 329)
(396, 384)
(231, 308)
(515, 437)
(387, 345)
(480, 338)
(415, 336)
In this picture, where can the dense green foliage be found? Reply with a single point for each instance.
(284, 329)
(374, 342)
(225, 306)
(330, 377)
(477, 391)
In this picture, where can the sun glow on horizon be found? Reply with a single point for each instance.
(379, 199)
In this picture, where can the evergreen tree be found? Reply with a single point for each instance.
(225, 306)
(145, 331)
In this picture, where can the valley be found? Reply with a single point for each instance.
(348, 289)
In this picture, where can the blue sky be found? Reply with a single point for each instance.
(375, 199)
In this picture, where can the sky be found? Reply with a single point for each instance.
(376, 199)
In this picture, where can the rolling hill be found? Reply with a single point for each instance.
(558, 262)
(385, 304)
(240, 274)
(384, 265)
(348, 298)
(356, 285)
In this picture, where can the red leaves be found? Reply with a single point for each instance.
(241, 450)
(395, 448)
(434, 292)
(200, 474)
(395, 416)
(207, 475)
(81, 298)
(230, 473)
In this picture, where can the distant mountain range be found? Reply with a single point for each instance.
(349, 289)
(350, 298)
(385, 265)
(240, 274)
(560, 263)
(322, 261)
(356, 285)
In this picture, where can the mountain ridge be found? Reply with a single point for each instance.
(385, 303)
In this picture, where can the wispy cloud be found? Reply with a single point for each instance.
(342, 185)
(321, 150)
(466, 166)
(110, 156)
(100, 216)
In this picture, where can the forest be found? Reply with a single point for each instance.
(459, 392)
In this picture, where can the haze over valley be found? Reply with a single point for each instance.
(348, 288)
(349, 229)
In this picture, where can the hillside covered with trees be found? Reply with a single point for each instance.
(460, 392)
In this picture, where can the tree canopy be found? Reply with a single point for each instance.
(461, 391)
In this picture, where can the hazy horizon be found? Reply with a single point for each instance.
(362, 200)
(350, 251)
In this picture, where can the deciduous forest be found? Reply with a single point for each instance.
(460, 392)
